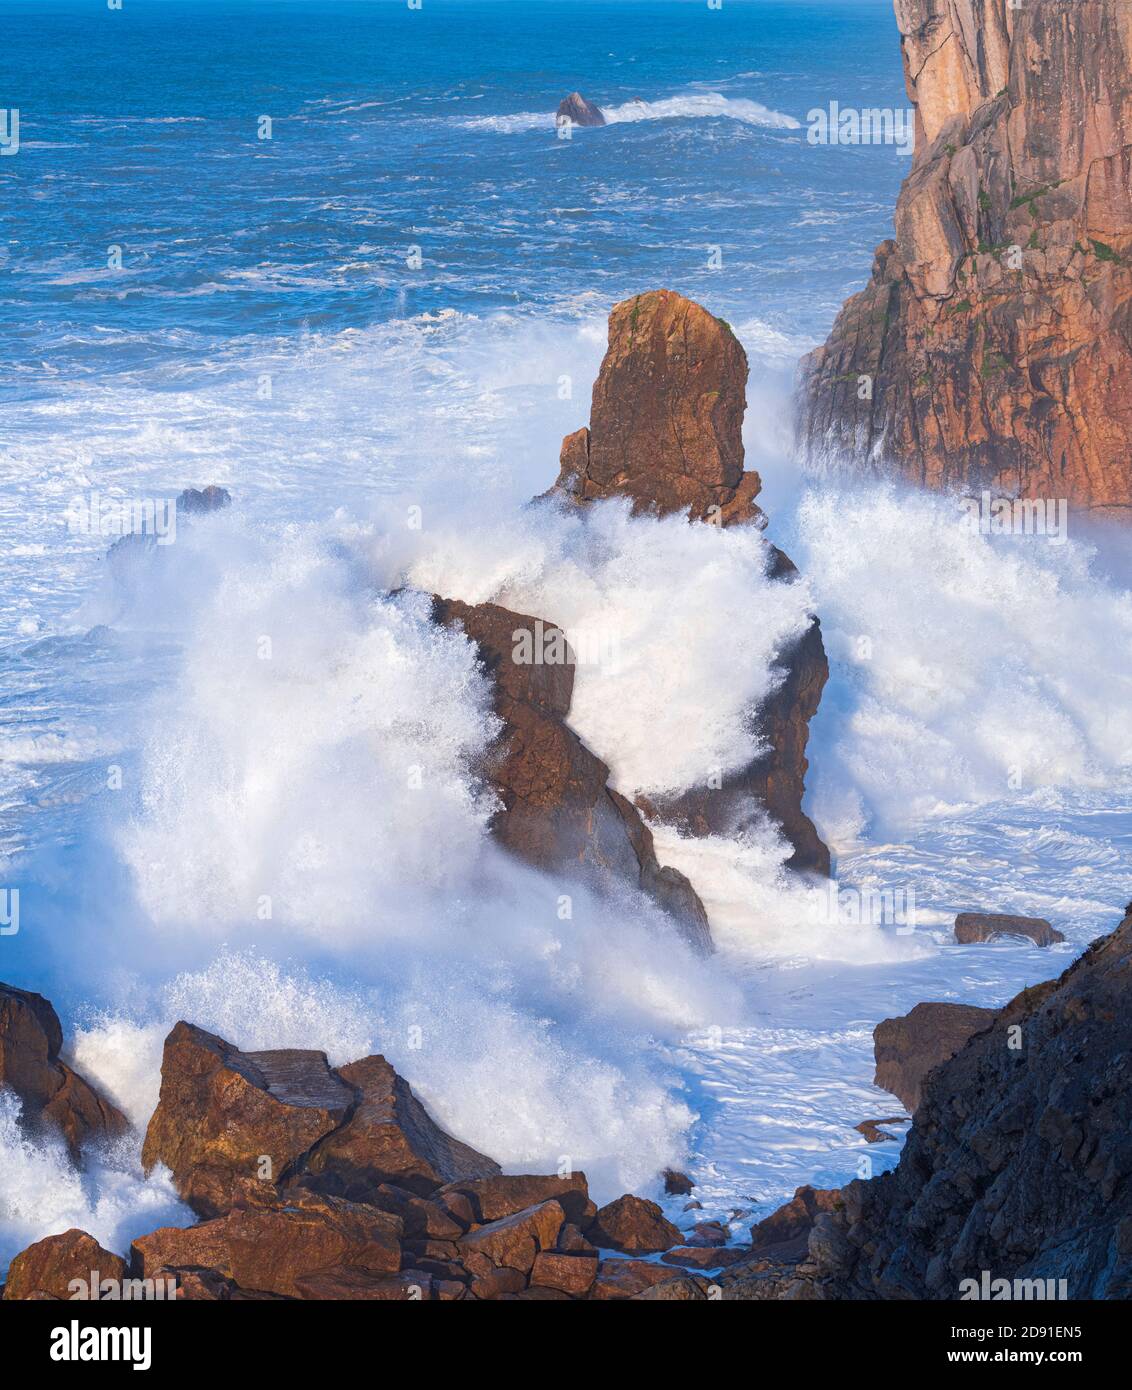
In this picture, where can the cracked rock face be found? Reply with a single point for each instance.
(992, 346)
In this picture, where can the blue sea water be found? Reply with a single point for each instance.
(186, 303)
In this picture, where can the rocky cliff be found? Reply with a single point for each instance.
(992, 346)
(1018, 1165)
(666, 431)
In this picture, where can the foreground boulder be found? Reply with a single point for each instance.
(50, 1267)
(559, 812)
(909, 1047)
(54, 1099)
(1018, 1166)
(991, 346)
(576, 109)
(235, 1127)
(634, 1225)
(270, 1249)
(986, 926)
(785, 1233)
(666, 431)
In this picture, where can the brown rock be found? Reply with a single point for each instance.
(515, 1240)
(667, 415)
(196, 1285)
(682, 1289)
(389, 1137)
(703, 1257)
(492, 1198)
(53, 1098)
(874, 1134)
(666, 431)
(985, 926)
(708, 1233)
(995, 327)
(784, 1234)
(497, 1282)
(677, 1184)
(345, 1284)
(558, 810)
(573, 1274)
(634, 1225)
(48, 1267)
(909, 1047)
(627, 1278)
(223, 1111)
(270, 1249)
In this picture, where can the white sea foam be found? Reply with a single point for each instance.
(691, 105)
(43, 1194)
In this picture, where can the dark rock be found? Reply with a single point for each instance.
(677, 1184)
(1019, 1162)
(907, 1048)
(577, 109)
(54, 1099)
(985, 926)
(199, 501)
(784, 1234)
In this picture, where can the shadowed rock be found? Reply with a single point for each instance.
(909, 1047)
(54, 1099)
(559, 813)
(577, 109)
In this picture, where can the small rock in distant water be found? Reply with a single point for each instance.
(582, 112)
(986, 926)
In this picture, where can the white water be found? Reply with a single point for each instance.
(288, 776)
(688, 106)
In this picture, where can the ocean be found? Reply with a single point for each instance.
(335, 258)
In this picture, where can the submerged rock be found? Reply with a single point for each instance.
(53, 1098)
(559, 813)
(909, 1047)
(991, 347)
(577, 109)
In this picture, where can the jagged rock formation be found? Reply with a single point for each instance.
(382, 1205)
(1019, 1162)
(54, 1099)
(577, 109)
(665, 430)
(992, 346)
(235, 1128)
(909, 1047)
(559, 813)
